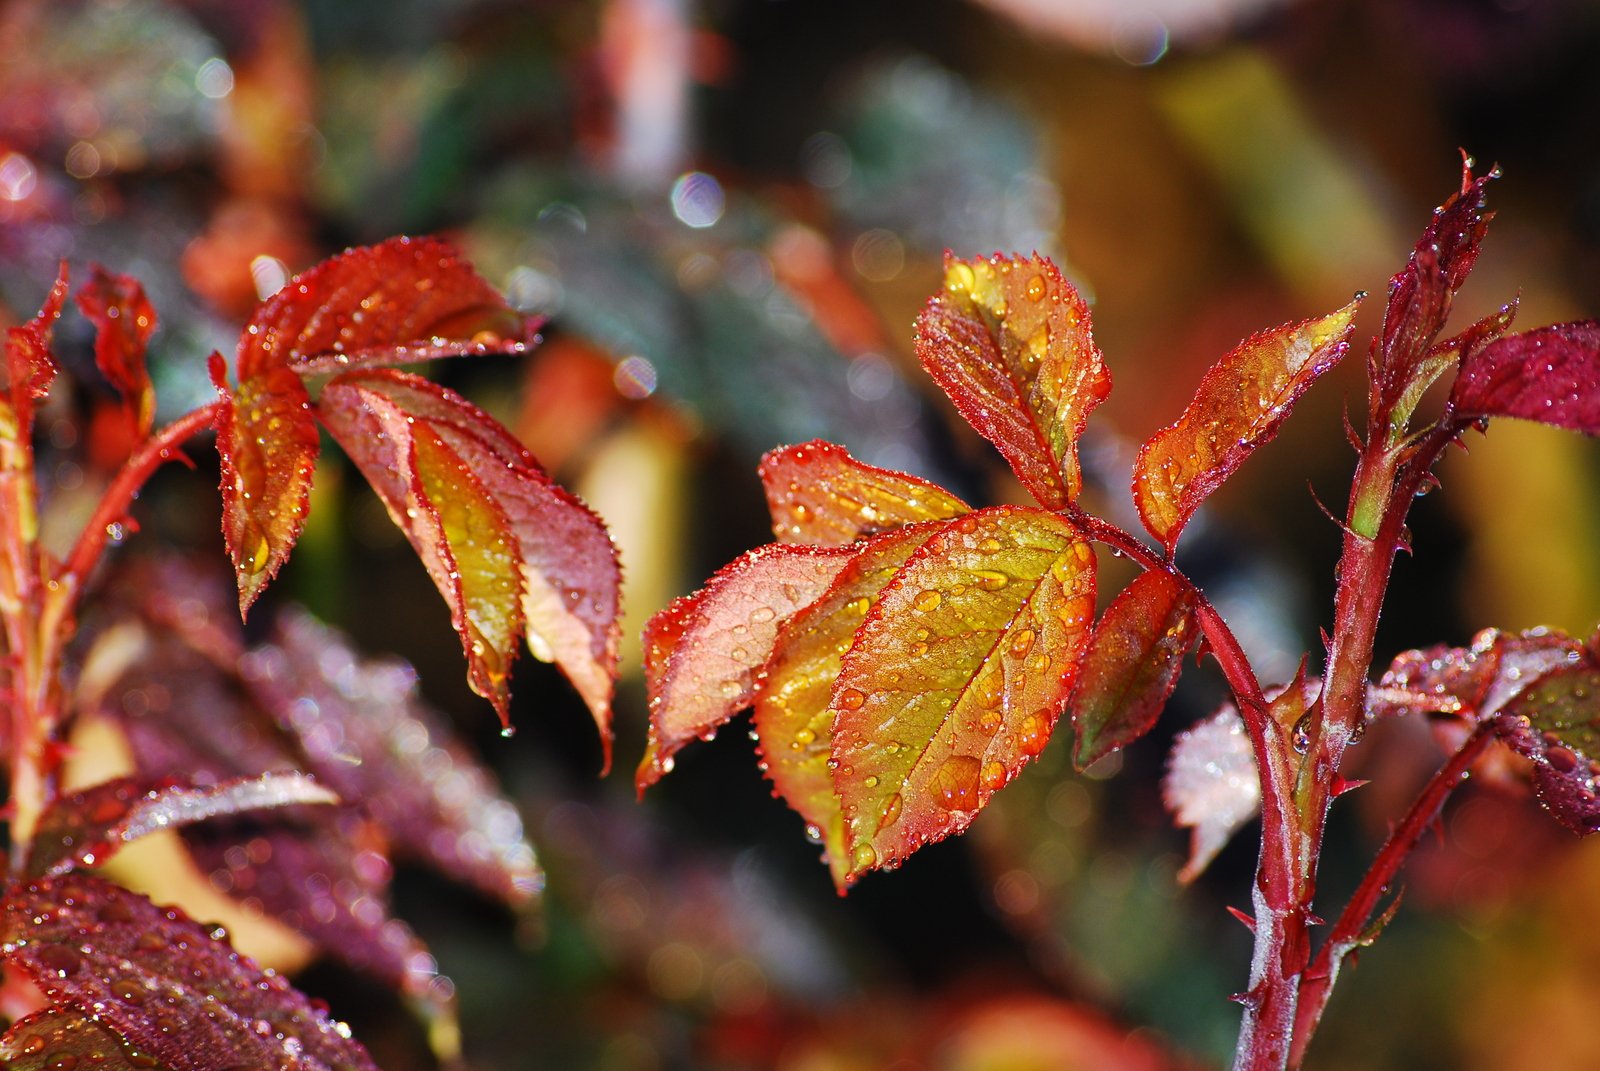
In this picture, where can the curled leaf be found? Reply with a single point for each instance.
(169, 986)
(819, 494)
(956, 677)
(267, 441)
(793, 721)
(1008, 339)
(1473, 682)
(30, 366)
(702, 652)
(124, 321)
(56, 1039)
(86, 828)
(403, 300)
(1555, 722)
(1239, 405)
(1132, 665)
(1550, 375)
(1211, 785)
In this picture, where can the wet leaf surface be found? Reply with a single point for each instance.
(64, 1040)
(793, 718)
(86, 828)
(1008, 339)
(1239, 405)
(956, 677)
(1133, 664)
(703, 651)
(1550, 375)
(30, 366)
(1555, 722)
(164, 982)
(819, 494)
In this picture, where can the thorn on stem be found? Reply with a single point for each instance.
(1249, 923)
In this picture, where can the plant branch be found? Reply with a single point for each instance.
(1349, 931)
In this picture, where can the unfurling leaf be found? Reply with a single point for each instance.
(30, 367)
(508, 549)
(819, 494)
(1239, 405)
(1555, 722)
(407, 299)
(88, 827)
(1133, 664)
(175, 991)
(267, 441)
(956, 677)
(1474, 682)
(1551, 375)
(60, 1039)
(1211, 785)
(1404, 360)
(403, 300)
(793, 721)
(1008, 339)
(124, 321)
(703, 651)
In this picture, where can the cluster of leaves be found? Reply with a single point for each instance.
(125, 983)
(905, 654)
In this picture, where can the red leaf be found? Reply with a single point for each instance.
(88, 827)
(702, 652)
(1555, 722)
(507, 548)
(1421, 293)
(1551, 375)
(406, 299)
(956, 677)
(267, 441)
(1008, 339)
(30, 367)
(1241, 401)
(1472, 682)
(1211, 785)
(793, 721)
(163, 982)
(124, 320)
(819, 494)
(63, 1040)
(1133, 664)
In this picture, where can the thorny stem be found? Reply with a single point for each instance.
(1349, 932)
(39, 610)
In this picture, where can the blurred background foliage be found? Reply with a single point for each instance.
(730, 213)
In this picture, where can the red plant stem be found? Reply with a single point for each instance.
(38, 616)
(1317, 983)
(115, 503)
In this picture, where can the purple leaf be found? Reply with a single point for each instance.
(59, 1039)
(1555, 722)
(88, 827)
(1551, 375)
(168, 985)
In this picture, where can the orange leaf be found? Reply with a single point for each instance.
(124, 321)
(1132, 665)
(562, 558)
(1241, 401)
(702, 652)
(455, 524)
(793, 721)
(406, 299)
(819, 494)
(957, 676)
(267, 441)
(1008, 339)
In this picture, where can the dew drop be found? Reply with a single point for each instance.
(851, 699)
(992, 690)
(891, 811)
(762, 614)
(1033, 733)
(959, 278)
(991, 579)
(1035, 289)
(927, 599)
(1562, 759)
(805, 737)
(260, 551)
(1022, 642)
(858, 606)
(957, 783)
(1300, 735)
(863, 857)
(994, 775)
